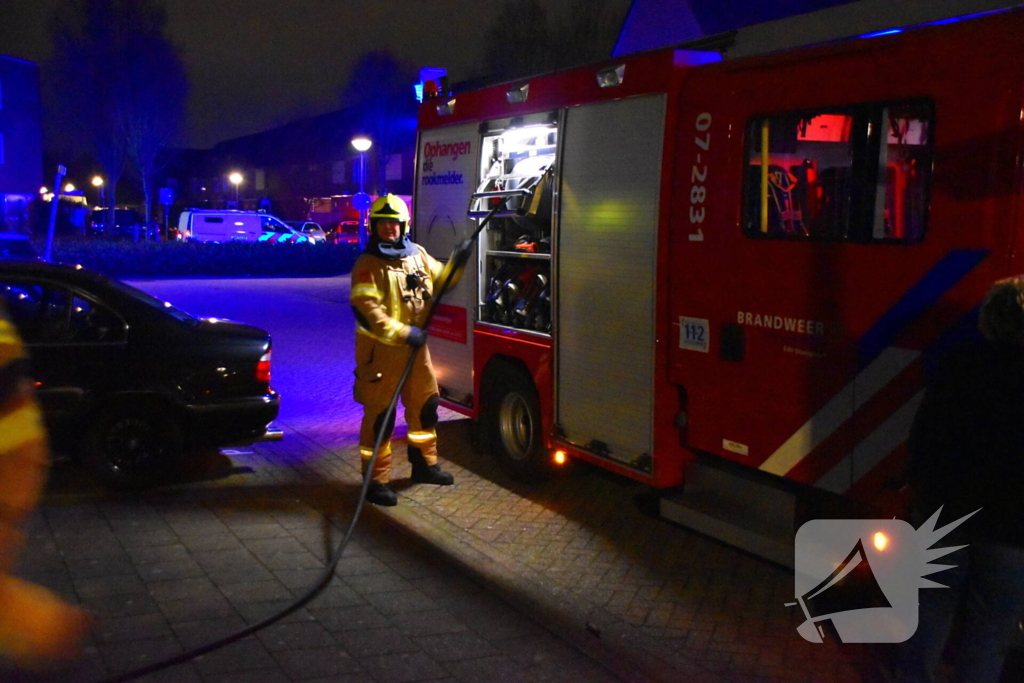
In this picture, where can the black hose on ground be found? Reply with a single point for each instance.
(455, 264)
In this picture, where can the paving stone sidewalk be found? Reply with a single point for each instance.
(648, 599)
(565, 580)
(487, 579)
(170, 570)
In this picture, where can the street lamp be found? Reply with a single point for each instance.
(236, 180)
(70, 187)
(362, 144)
(97, 182)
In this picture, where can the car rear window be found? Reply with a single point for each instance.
(150, 300)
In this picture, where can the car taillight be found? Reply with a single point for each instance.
(263, 368)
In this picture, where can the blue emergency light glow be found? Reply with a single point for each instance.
(881, 33)
(418, 88)
(937, 22)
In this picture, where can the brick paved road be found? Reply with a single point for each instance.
(481, 564)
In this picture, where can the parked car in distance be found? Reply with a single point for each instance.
(310, 229)
(127, 223)
(229, 225)
(14, 245)
(276, 230)
(346, 232)
(128, 383)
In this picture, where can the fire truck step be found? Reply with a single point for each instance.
(737, 510)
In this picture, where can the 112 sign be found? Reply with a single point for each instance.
(694, 334)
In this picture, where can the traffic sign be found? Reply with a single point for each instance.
(361, 201)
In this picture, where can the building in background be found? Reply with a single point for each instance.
(21, 142)
(287, 170)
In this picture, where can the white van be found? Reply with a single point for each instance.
(227, 225)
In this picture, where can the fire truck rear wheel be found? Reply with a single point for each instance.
(513, 425)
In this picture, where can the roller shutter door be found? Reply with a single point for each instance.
(607, 239)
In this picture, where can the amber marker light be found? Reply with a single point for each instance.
(881, 540)
(559, 457)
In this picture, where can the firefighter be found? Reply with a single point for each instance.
(35, 625)
(392, 285)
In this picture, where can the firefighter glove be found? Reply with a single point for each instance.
(416, 338)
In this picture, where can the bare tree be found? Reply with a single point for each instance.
(122, 81)
(159, 78)
(518, 41)
(379, 91)
(587, 35)
(522, 40)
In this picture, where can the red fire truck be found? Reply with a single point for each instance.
(726, 276)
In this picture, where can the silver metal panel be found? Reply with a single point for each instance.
(607, 244)
(446, 175)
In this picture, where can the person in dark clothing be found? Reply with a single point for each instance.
(967, 454)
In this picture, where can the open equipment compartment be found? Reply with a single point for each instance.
(517, 167)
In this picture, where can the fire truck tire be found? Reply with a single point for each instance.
(512, 424)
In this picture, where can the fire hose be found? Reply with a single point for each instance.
(448, 278)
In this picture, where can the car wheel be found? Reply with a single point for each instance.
(132, 447)
(512, 423)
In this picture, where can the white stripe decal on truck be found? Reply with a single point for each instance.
(873, 449)
(840, 408)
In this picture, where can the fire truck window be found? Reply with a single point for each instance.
(814, 175)
(907, 160)
(798, 176)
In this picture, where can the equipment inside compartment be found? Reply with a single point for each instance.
(517, 169)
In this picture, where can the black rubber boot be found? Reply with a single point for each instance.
(422, 473)
(381, 494)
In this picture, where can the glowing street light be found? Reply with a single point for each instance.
(70, 187)
(236, 180)
(97, 182)
(362, 144)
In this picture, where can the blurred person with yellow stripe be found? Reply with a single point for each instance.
(36, 627)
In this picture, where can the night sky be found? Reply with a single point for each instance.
(254, 64)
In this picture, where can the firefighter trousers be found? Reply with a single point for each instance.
(376, 381)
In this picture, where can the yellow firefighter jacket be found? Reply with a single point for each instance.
(389, 296)
(35, 625)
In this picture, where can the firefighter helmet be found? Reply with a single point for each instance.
(392, 207)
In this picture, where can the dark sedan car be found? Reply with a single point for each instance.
(129, 382)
